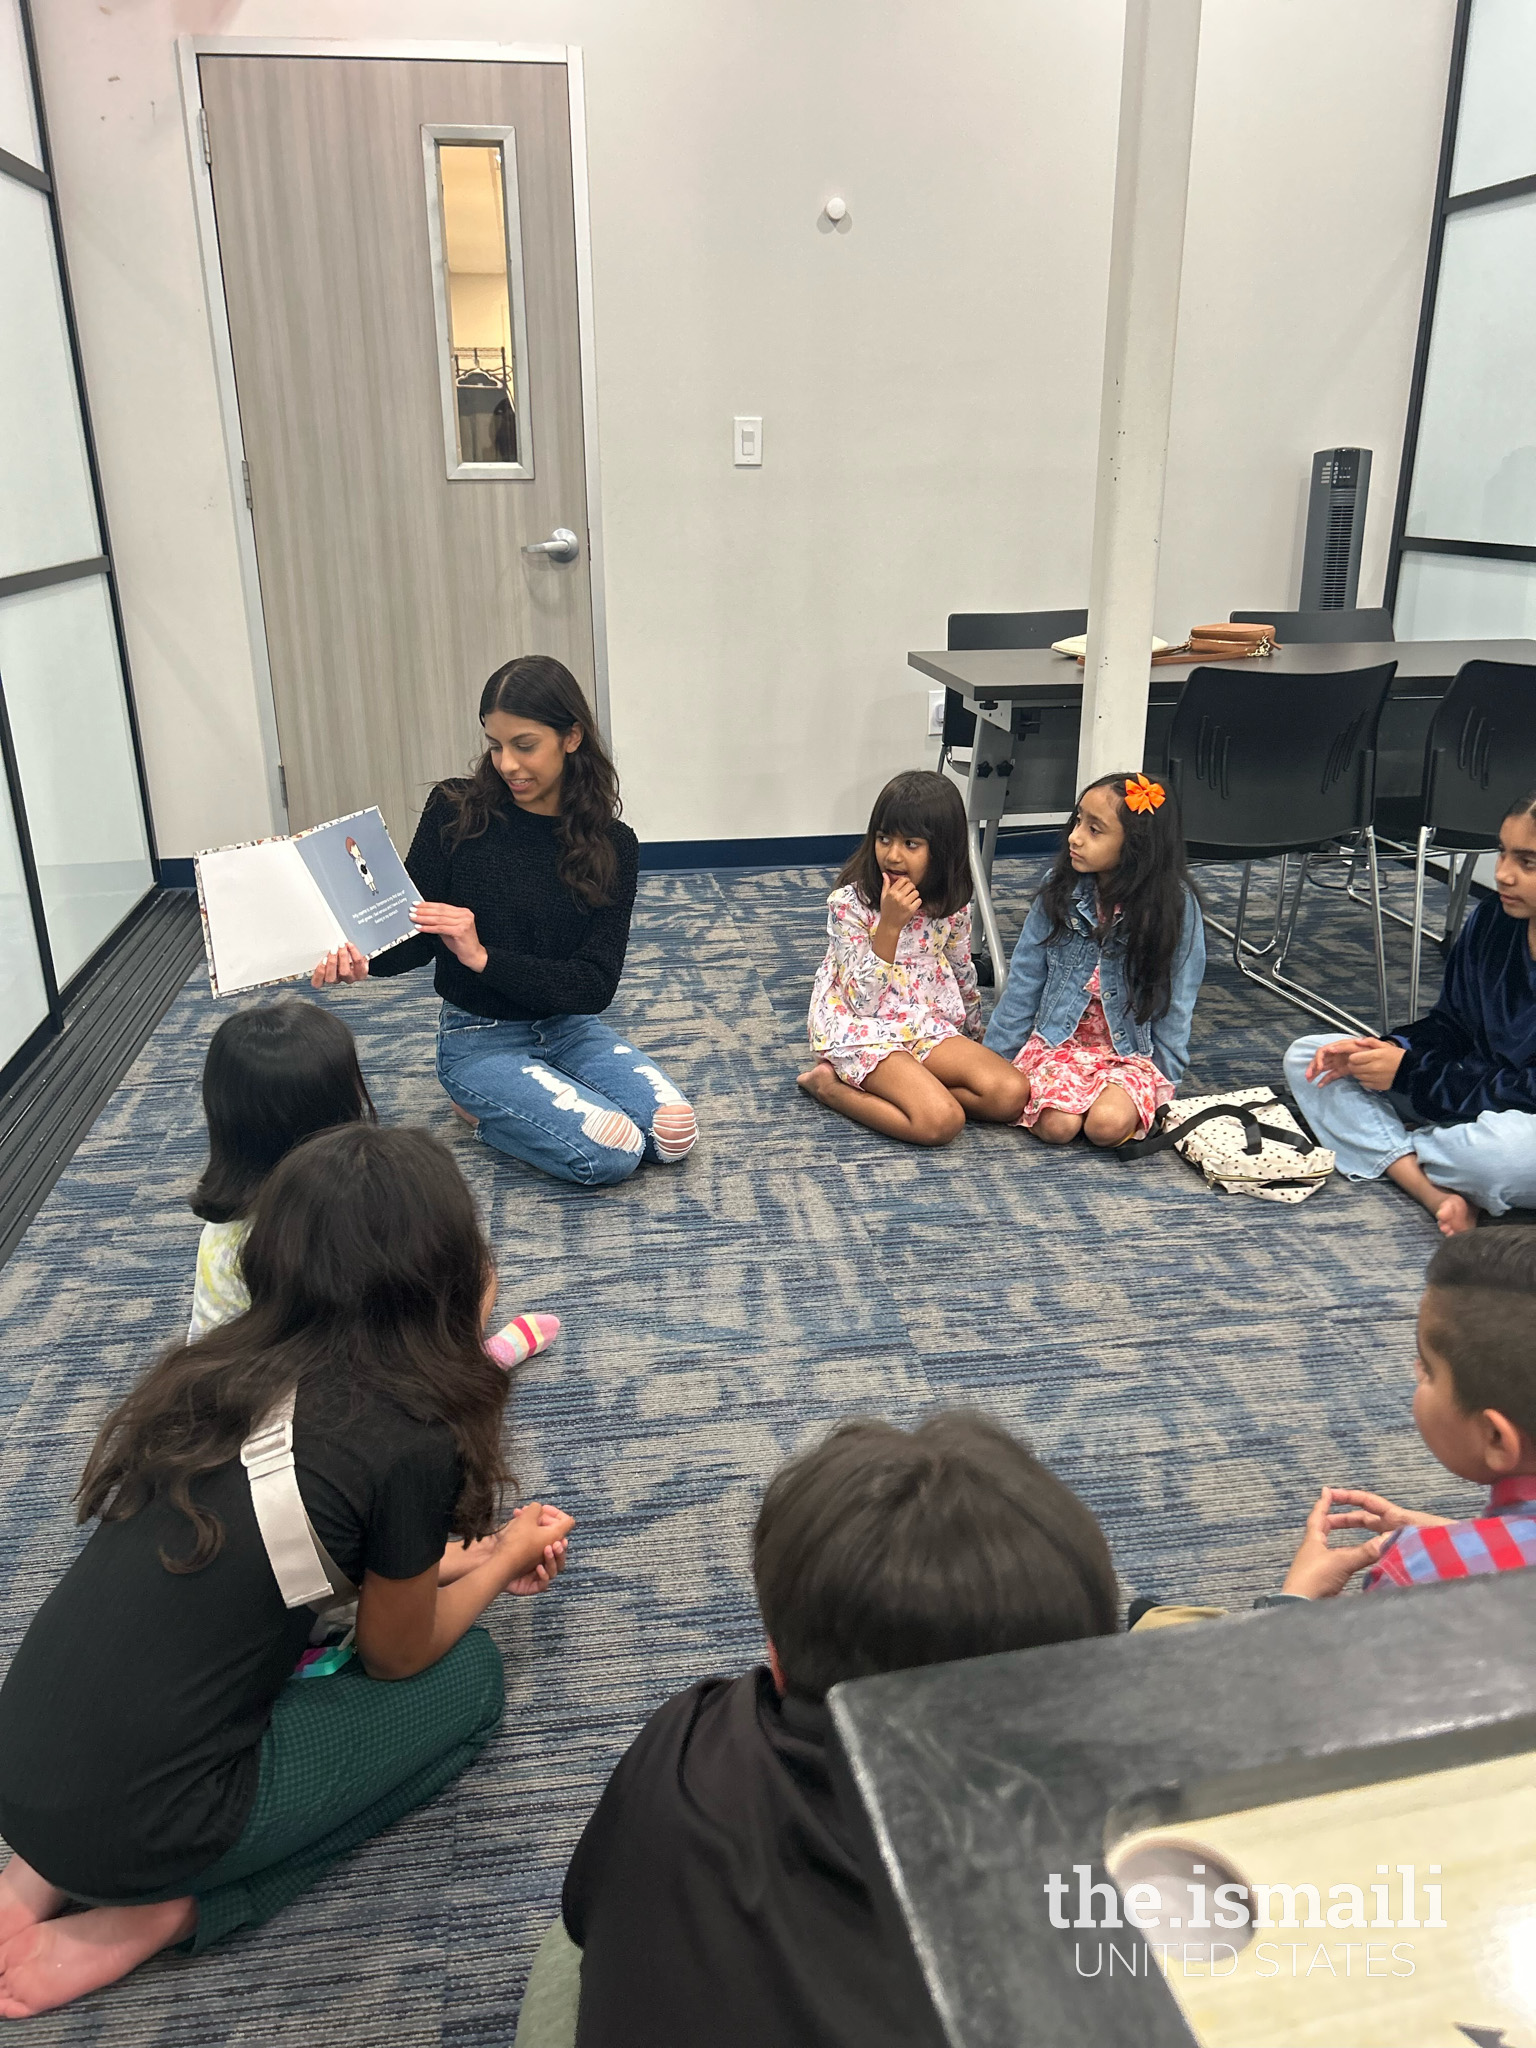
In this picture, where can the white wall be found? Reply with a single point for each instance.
(1317, 138)
(928, 378)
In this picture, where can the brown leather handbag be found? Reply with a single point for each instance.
(1237, 641)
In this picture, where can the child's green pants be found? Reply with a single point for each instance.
(343, 1758)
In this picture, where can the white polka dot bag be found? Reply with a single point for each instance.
(1245, 1142)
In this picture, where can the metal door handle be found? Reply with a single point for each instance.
(562, 546)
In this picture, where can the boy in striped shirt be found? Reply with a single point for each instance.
(1475, 1408)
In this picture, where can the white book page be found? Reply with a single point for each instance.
(266, 919)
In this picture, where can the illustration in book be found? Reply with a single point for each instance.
(272, 908)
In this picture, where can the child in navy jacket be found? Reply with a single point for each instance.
(1447, 1106)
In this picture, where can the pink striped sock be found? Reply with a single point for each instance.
(522, 1338)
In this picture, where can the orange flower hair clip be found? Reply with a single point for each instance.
(1141, 795)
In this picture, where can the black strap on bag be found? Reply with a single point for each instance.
(1244, 1113)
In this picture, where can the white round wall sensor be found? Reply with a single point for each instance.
(836, 209)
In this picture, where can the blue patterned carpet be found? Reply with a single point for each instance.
(1195, 1364)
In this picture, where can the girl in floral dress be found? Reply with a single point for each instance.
(895, 1020)
(1102, 985)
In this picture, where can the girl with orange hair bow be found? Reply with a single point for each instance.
(1102, 986)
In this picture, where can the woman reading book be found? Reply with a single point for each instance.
(529, 880)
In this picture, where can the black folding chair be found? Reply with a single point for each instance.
(1320, 629)
(1324, 629)
(1480, 754)
(1267, 766)
(970, 630)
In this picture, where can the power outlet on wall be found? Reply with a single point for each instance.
(935, 714)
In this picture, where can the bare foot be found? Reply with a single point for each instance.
(1455, 1216)
(60, 1960)
(26, 1898)
(464, 1115)
(1454, 1213)
(819, 1081)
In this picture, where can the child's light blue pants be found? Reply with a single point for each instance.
(1492, 1160)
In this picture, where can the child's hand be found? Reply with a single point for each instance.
(1375, 1063)
(460, 1558)
(1331, 1062)
(533, 1545)
(1372, 1512)
(899, 903)
(549, 1567)
(1318, 1572)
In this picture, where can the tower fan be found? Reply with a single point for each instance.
(1330, 562)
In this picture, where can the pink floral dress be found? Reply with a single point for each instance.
(1073, 1075)
(863, 1008)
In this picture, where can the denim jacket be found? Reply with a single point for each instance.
(1047, 987)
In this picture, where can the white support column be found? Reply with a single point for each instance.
(1157, 111)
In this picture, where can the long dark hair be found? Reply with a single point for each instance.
(367, 1271)
(537, 686)
(275, 1073)
(1150, 888)
(917, 804)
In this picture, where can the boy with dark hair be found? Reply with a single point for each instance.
(1475, 1407)
(716, 1893)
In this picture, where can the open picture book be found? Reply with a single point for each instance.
(273, 908)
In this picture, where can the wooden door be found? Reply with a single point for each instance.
(391, 589)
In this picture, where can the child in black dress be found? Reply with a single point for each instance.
(160, 1760)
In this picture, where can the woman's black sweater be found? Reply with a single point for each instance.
(549, 954)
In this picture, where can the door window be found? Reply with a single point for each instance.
(477, 283)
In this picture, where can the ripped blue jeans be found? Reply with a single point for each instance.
(567, 1094)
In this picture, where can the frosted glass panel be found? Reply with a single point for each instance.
(18, 124)
(69, 718)
(1453, 597)
(1495, 132)
(1474, 476)
(46, 510)
(23, 999)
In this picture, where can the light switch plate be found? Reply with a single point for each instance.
(935, 714)
(749, 442)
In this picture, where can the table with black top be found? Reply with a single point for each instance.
(1300, 1745)
(1028, 706)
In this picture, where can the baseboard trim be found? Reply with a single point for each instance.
(672, 856)
(106, 1021)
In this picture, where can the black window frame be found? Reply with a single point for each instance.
(40, 178)
(1446, 204)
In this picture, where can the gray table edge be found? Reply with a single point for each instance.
(981, 1779)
